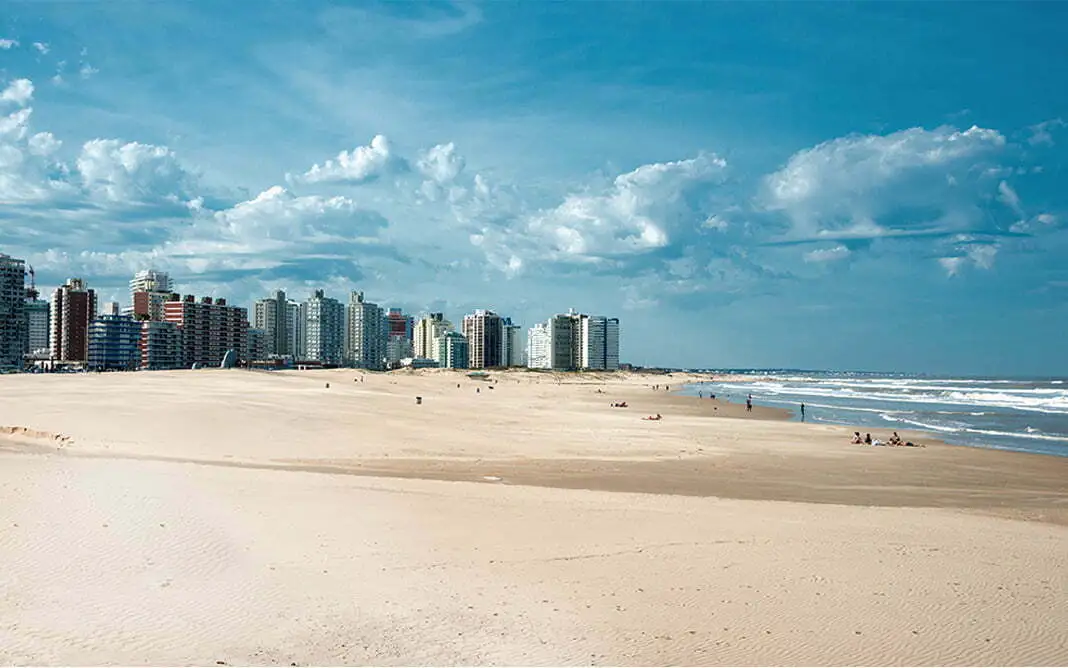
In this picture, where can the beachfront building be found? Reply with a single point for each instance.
(426, 333)
(257, 345)
(599, 343)
(453, 351)
(365, 333)
(511, 348)
(323, 329)
(38, 317)
(110, 308)
(484, 331)
(539, 341)
(149, 289)
(572, 341)
(209, 329)
(398, 337)
(73, 309)
(12, 312)
(161, 345)
(279, 317)
(114, 343)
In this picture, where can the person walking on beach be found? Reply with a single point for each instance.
(749, 404)
(802, 412)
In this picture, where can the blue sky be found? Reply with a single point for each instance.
(865, 186)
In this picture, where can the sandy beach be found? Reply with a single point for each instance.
(265, 518)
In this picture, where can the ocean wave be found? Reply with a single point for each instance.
(1035, 400)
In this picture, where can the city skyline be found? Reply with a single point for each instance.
(859, 187)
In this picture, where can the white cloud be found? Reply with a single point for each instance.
(19, 91)
(952, 265)
(362, 164)
(859, 179)
(441, 163)
(43, 144)
(133, 172)
(15, 125)
(42, 47)
(827, 254)
(1009, 198)
(1041, 133)
(6, 44)
(983, 255)
(278, 214)
(87, 71)
(642, 210)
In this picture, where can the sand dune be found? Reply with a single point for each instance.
(190, 518)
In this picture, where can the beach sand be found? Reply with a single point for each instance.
(264, 518)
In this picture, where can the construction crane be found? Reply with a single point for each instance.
(31, 292)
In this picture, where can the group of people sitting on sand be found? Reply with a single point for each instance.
(620, 404)
(893, 440)
(653, 417)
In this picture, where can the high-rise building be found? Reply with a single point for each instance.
(73, 308)
(114, 343)
(149, 289)
(572, 341)
(365, 333)
(323, 322)
(161, 345)
(12, 312)
(297, 335)
(280, 319)
(599, 343)
(38, 317)
(539, 344)
(110, 308)
(426, 333)
(511, 349)
(484, 331)
(210, 328)
(453, 351)
(398, 337)
(257, 345)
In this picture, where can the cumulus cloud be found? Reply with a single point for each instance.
(867, 179)
(277, 214)
(19, 91)
(360, 165)
(87, 71)
(42, 47)
(642, 210)
(133, 172)
(6, 44)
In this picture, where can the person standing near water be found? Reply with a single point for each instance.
(802, 412)
(749, 404)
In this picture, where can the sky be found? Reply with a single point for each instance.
(875, 186)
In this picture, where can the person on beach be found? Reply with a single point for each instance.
(802, 412)
(867, 439)
(857, 440)
(749, 404)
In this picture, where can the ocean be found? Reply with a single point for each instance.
(1027, 415)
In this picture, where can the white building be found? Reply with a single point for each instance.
(365, 334)
(322, 322)
(539, 342)
(426, 333)
(484, 331)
